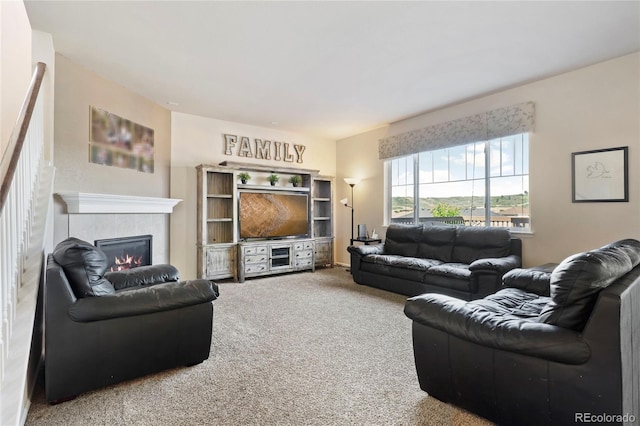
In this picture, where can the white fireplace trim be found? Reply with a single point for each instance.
(82, 202)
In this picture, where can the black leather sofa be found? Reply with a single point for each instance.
(103, 328)
(550, 348)
(461, 261)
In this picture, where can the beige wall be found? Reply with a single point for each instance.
(76, 89)
(591, 108)
(44, 51)
(198, 140)
(15, 65)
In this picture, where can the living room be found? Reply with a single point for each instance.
(593, 106)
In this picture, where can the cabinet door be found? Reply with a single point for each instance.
(219, 262)
(324, 251)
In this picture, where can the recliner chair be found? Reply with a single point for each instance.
(552, 347)
(104, 328)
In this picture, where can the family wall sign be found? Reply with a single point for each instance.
(262, 149)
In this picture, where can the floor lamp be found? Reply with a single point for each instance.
(351, 182)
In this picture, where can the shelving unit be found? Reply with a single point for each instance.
(322, 219)
(220, 252)
(217, 210)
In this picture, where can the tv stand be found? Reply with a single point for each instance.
(259, 258)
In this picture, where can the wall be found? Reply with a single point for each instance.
(17, 58)
(590, 108)
(198, 140)
(76, 90)
(43, 51)
(15, 65)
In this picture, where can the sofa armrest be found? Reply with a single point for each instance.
(144, 300)
(469, 321)
(143, 275)
(530, 280)
(496, 264)
(364, 250)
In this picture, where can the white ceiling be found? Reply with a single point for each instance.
(335, 68)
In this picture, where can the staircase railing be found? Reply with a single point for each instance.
(24, 199)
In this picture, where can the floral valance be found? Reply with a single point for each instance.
(497, 123)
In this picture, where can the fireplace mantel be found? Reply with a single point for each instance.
(82, 202)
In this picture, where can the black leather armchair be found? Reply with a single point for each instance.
(550, 348)
(101, 329)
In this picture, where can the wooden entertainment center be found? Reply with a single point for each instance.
(224, 253)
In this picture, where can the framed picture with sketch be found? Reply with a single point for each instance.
(601, 175)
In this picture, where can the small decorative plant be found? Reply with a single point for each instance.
(244, 177)
(273, 179)
(295, 180)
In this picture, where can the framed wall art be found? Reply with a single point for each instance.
(116, 141)
(600, 175)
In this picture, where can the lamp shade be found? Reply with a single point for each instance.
(352, 181)
(343, 201)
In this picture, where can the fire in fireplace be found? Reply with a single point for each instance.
(126, 252)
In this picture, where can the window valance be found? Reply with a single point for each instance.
(497, 123)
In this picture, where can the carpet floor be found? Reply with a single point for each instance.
(310, 348)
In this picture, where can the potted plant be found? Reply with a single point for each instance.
(273, 179)
(295, 180)
(244, 177)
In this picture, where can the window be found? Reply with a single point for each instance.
(485, 183)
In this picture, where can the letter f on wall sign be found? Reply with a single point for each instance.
(229, 142)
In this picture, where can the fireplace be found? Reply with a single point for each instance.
(126, 252)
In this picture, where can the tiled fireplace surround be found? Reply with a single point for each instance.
(90, 217)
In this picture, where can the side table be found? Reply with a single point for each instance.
(366, 241)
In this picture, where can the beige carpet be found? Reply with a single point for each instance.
(296, 349)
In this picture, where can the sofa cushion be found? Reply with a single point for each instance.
(389, 270)
(436, 241)
(451, 282)
(474, 243)
(84, 265)
(402, 261)
(403, 240)
(576, 282)
(514, 302)
(453, 270)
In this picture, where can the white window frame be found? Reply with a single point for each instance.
(388, 191)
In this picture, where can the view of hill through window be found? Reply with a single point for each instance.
(479, 181)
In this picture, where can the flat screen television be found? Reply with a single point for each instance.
(272, 215)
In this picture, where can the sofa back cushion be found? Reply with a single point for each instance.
(576, 282)
(436, 241)
(402, 240)
(84, 265)
(473, 243)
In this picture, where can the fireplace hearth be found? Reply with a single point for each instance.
(126, 252)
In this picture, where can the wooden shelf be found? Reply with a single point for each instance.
(273, 188)
(270, 169)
